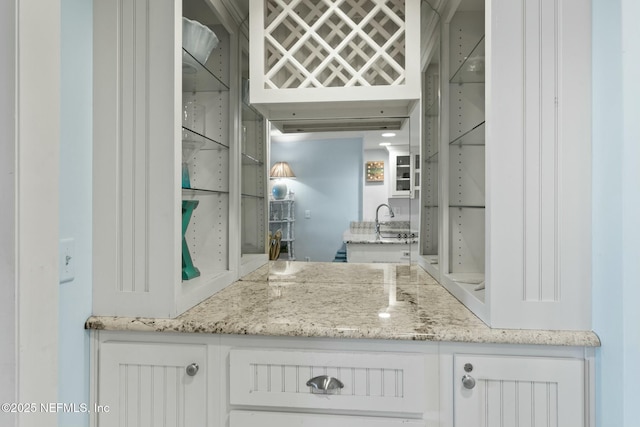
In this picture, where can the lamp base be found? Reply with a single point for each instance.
(279, 190)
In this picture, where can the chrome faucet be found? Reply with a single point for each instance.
(378, 222)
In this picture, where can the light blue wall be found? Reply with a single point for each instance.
(631, 207)
(329, 184)
(616, 209)
(75, 203)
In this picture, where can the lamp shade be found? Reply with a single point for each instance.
(281, 170)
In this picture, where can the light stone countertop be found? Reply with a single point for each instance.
(340, 300)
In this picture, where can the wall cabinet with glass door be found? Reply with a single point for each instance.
(206, 144)
(401, 173)
(513, 162)
(253, 143)
(464, 261)
(453, 200)
(430, 184)
(165, 176)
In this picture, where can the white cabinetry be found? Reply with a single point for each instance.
(463, 157)
(167, 190)
(518, 391)
(384, 389)
(145, 377)
(254, 147)
(513, 163)
(382, 382)
(539, 164)
(430, 174)
(401, 173)
(150, 384)
(317, 60)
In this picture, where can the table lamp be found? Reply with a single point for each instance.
(280, 171)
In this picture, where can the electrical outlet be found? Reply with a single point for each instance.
(307, 214)
(307, 259)
(67, 261)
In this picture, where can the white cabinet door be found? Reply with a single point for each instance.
(148, 385)
(518, 391)
(401, 173)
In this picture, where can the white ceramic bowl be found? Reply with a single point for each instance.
(198, 39)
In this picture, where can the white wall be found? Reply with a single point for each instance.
(616, 209)
(29, 148)
(75, 204)
(7, 218)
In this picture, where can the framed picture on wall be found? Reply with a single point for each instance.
(375, 171)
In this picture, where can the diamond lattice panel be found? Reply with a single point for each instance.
(334, 43)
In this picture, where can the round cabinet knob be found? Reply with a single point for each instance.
(192, 369)
(468, 382)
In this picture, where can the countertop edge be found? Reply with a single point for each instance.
(491, 336)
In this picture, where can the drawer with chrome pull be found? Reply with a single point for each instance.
(317, 380)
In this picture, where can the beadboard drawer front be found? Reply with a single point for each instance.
(383, 382)
(283, 419)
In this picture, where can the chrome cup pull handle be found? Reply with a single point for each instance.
(325, 383)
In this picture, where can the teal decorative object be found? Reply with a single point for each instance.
(186, 181)
(189, 271)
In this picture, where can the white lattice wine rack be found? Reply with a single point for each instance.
(307, 53)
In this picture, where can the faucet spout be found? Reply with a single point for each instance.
(391, 214)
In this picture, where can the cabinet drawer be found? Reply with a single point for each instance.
(283, 419)
(382, 382)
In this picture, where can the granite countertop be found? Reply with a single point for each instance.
(340, 300)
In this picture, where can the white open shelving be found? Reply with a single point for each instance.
(512, 163)
(143, 81)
